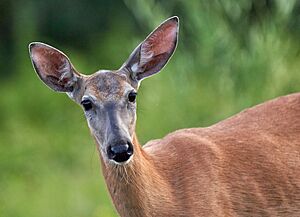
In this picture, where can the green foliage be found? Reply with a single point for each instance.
(230, 56)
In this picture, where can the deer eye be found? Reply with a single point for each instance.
(132, 96)
(87, 104)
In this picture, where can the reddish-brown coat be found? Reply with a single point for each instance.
(246, 165)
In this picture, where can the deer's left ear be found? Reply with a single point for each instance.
(154, 52)
(53, 67)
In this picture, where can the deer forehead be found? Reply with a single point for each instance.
(106, 85)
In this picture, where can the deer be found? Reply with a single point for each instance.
(245, 165)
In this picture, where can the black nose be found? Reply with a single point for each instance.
(120, 152)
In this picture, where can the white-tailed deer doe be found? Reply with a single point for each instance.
(247, 165)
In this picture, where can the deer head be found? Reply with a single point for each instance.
(108, 97)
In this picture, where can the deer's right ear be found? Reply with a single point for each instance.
(53, 67)
(154, 52)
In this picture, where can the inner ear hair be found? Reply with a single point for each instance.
(154, 52)
(53, 67)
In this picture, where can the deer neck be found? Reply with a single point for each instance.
(137, 188)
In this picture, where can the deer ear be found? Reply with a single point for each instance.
(154, 52)
(53, 67)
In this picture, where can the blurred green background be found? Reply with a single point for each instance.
(231, 55)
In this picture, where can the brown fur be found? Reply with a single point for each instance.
(106, 85)
(247, 165)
